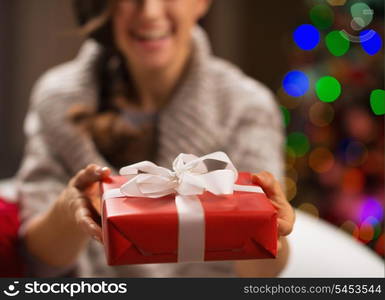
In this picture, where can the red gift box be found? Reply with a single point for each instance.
(10, 261)
(138, 230)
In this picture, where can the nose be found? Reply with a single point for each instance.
(151, 9)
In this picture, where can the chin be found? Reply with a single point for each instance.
(155, 63)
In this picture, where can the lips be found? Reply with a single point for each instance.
(152, 41)
(151, 35)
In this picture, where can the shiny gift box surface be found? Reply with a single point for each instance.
(139, 230)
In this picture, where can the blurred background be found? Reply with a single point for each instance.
(324, 59)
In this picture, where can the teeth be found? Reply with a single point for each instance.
(152, 35)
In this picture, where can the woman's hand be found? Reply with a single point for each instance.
(75, 199)
(60, 234)
(274, 192)
(286, 217)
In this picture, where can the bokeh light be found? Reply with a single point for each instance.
(337, 42)
(320, 135)
(290, 158)
(309, 208)
(307, 37)
(292, 173)
(377, 102)
(360, 124)
(352, 181)
(322, 16)
(380, 245)
(334, 147)
(375, 225)
(299, 143)
(291, 188)
(296, 83)
(287, 100)
(351, 228)
(321, 114)
(321, 160)
(373, 44)
(328, 89)
(361, 13)
(366, 232)
(355, 154)
(371, 207)
(337, 2)
(286, 115)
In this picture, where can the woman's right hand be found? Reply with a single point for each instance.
(75, 200)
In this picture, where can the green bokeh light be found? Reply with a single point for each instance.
(328, 89)
(375, 224)
(377, 102)
(286, 115)
(322, 16)
(337, 42)
(362, 14)
(298, 143)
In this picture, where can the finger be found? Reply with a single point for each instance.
(269, 184)
(91, 174)
(279, 245)
(274, 192)
(286, 223)
(88, 225)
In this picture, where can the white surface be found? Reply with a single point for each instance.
(319, 249)
(7, 189)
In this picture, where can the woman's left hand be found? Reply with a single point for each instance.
(274, 192)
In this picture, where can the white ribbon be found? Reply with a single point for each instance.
(189, 178)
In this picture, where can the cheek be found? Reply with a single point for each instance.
(120, 33)
(185, 20)
(120, 22)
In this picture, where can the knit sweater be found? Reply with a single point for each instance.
(215, 108)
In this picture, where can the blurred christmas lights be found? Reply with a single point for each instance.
(336, 148)
(296, 83)
(337, 42)
(373, 44)
(307, 37)
(377, 102)
(298, 143)
(322, 16)
(328, 89)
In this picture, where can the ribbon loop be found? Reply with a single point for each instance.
(190, 176)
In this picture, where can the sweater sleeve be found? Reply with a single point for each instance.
(40, 180)
(51, 104)
(52, 156)
(256, 143)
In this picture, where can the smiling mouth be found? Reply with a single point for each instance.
(151, 35)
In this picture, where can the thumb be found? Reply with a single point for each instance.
(91, 174)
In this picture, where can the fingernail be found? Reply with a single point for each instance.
(99, 171)
(104, 169)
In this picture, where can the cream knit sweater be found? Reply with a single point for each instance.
(216, 107)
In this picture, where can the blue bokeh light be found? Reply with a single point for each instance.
(307, 37)
(296, 83)
(371, 41)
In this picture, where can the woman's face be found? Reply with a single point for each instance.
(153, 33)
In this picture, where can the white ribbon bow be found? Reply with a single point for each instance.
(189, 178)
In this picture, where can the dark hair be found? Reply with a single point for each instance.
(94, 18)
